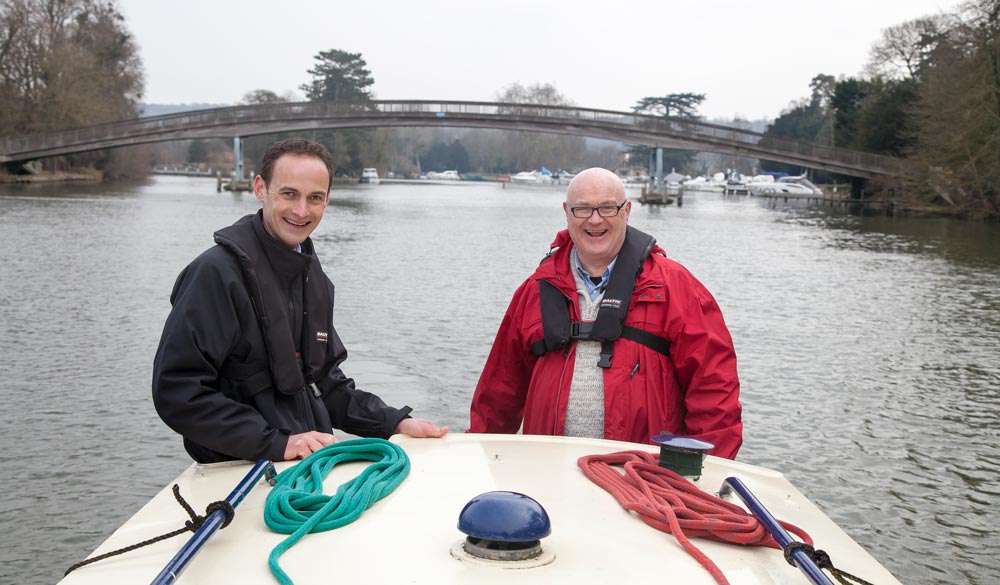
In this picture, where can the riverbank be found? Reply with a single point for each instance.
(90, 176)
(915, 208)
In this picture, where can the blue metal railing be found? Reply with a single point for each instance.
(212, 523)
(776, 530)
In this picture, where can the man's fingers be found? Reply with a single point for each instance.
(302, 445)
(421, 428)
(438, 433)
(314, 441)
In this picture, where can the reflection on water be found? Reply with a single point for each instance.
(867, 346)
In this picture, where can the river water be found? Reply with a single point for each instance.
(869, 346)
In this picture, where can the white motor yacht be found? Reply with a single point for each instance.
(443, 176)
(736, 184)
(526, 177)
(798, 186)
(716, 183)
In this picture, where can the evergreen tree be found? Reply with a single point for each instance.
(808, 120)
(339, 76)
(674, 105)
(848, 98)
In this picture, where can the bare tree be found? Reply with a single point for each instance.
(65, 63)
(542, 94)
(258, 97)
(959, 113)
(518, 151)
(904, 48)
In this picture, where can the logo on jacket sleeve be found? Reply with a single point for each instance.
(321, 336)
(611, 303)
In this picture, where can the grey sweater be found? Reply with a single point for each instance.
(585, 410)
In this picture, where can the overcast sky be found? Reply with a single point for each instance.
(749, 57)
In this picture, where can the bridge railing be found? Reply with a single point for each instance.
(647, 123)
(540, 114)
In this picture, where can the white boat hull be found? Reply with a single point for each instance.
(407, 537)
(783, 189)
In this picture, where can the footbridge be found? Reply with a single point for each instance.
(627, 127)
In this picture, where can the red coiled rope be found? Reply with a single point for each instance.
(668, 502)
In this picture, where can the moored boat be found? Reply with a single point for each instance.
(412, 534)
(672, 182)
(716, 184)
(526, 177)
(736, 184)
(370, 176)
(786, 186)
(443, 176)
(563, 177)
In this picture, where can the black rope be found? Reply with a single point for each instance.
(823, 561)
(191, 525)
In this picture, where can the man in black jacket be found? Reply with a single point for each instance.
(248, 365)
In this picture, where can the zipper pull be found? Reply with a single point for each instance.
(635, 370)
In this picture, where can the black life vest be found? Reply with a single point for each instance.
(610, 322)
(287, 370)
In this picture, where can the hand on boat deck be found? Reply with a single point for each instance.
(420, 428)
(302, 445)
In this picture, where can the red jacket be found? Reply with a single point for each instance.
(694, 392)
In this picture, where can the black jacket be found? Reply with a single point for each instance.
(249, 354)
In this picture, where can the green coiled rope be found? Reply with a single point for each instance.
(297, 506)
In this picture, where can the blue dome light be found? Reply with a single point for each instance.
(504, 517)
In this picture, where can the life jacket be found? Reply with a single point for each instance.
(287, 370)
(610, 323)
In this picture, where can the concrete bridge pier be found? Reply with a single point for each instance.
(661, 189)
(656, 186)
(238, 159)
(238, 180)
(656, 190)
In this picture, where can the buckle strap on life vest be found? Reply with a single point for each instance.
(557, 329)
(582, 329)
(643, 337)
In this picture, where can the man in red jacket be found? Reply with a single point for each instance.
(609, 338)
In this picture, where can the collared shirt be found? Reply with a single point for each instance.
(593, 289)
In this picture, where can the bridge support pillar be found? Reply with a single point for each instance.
(660, 187)
(651, 173)
(857, 188)
(238, 159)
(656, 186)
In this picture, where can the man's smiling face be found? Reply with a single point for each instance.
(295, 197)
(597, 239)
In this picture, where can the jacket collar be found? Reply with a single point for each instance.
(557, 267)
(286, 264)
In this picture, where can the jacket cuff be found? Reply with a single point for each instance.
(276, 452)
(392, 421)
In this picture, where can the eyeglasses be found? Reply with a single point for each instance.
(603, 210)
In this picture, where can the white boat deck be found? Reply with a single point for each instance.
(406, 537)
